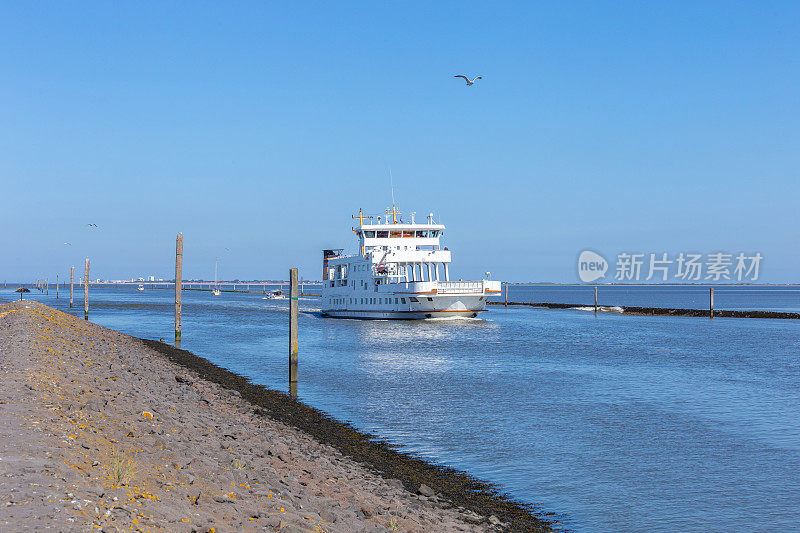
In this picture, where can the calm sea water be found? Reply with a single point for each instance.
(616, 423)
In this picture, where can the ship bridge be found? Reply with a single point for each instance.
(403, 251)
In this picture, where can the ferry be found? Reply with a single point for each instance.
(402, 271)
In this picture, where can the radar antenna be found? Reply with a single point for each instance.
(391, 184)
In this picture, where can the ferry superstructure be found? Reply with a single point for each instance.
(401, 272)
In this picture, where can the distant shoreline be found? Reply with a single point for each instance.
(599, 285)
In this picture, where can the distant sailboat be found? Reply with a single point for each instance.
(216, 291)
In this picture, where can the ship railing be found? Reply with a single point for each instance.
(460, 287)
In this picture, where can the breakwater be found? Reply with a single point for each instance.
(136, 434)
(659, 311)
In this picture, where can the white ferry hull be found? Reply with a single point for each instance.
(400, 315)
(438, 307)
(410, 305)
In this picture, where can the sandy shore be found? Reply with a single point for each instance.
(100, 431)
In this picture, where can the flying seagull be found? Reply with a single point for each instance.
(92, 225)
(466, 79)
(67, 244)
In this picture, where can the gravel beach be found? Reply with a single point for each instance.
(100, 431)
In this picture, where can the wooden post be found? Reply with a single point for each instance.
(711, 302)
(47, 286)
(71, 285)
(178, 274)
(506, 294)
(595, 299)
(293, 313)
(56, 286)
(86, 291)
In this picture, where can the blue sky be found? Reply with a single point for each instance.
(260, 128)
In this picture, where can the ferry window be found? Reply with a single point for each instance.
(369, 234)
(434, 233)
(382, 234)
(395, 234)
(407, 234)
(413, 299)
(423, 234)
(395, 300)
(402, 300)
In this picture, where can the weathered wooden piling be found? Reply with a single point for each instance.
(71, 285)
(178, 276)
(47, 286)
(711, 302)
(595, 299)
(293, 314)
(56, 286)
(506, 292)
(86, 291)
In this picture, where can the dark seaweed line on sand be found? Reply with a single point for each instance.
(463, 489)
(664, 311)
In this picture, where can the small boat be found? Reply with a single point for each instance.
(140, 287)
(216, 291)
(276, 295)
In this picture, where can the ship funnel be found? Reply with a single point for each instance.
(326, 256)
